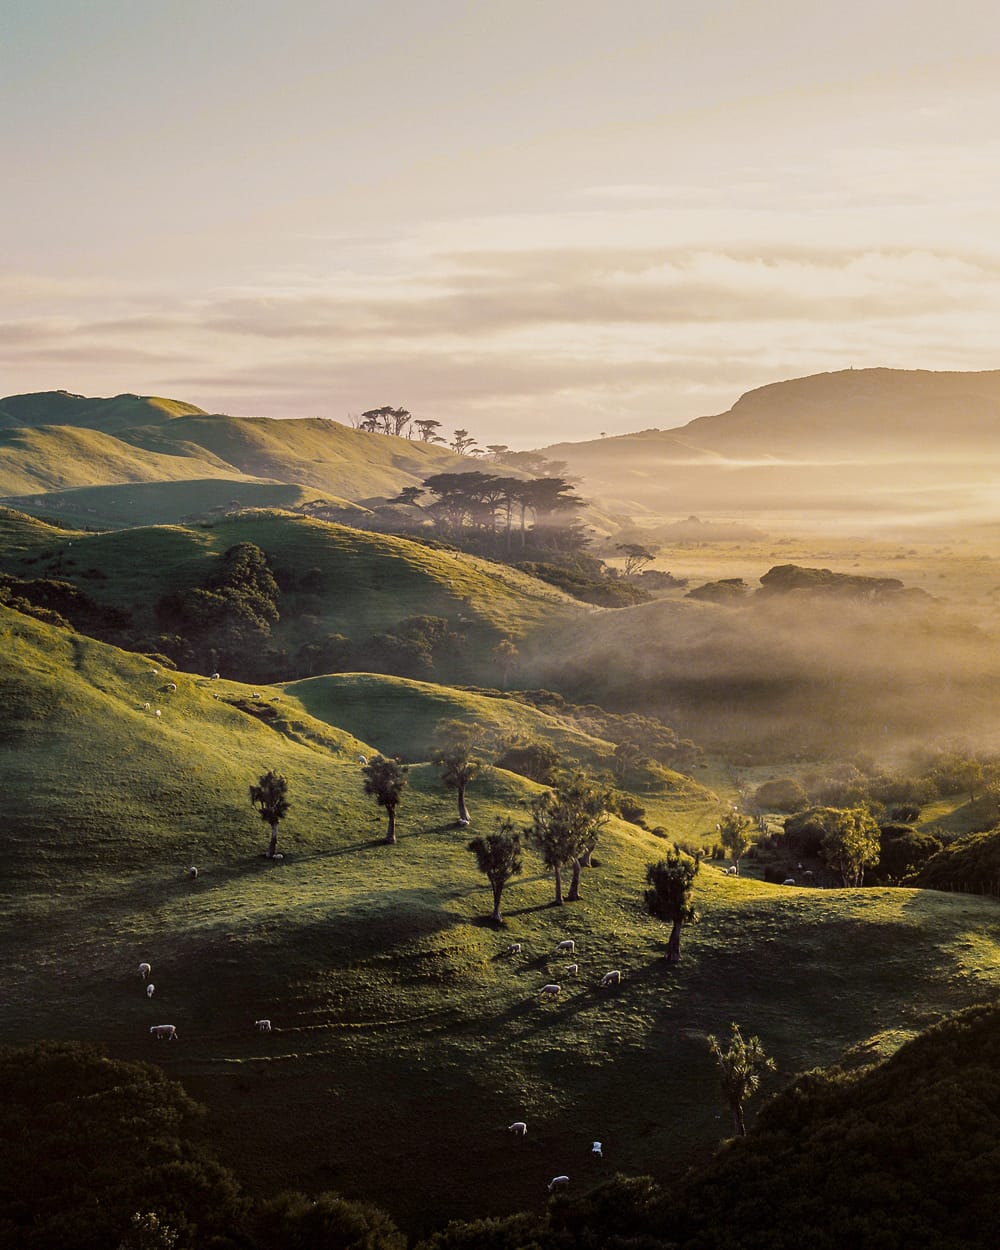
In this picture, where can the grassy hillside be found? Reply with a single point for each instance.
(366, 582)
(110, 415)
(51, 458)
(398, 1020)
(131, 504)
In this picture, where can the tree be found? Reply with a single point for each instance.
(428, 431)
(740, 1069)
(852, 844)
(453, 753)
(530, 757)
(498, 856)
(461, 442)
(636, 557)
(734, 830)
(385, 781)
(269, 796)
(668, 898)
(565, 824)
(505, 655)
(295, 1221)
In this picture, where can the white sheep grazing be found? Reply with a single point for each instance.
(596, 1150)
(193, 873)
(215, 677)
(172, 686)
(731, 871)
(144, 970)
(145, 707)
(255, 695)
(154, 672)
(216, 696)
(551, 991)
(464, 821)
(262, 1026)
(572, 970)
(518, 1128)
(569, 946)
(157, 713)
(362, 759)
(788, 881)
(612, 978)
(161, 1031)
(149, 989)
(514, 948)
(278, 855)
(558, 1182)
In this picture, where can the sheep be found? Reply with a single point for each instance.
(149, 989)
(551, 990)
(262, 1026)
(614, 977)
(732, 871)
(214, 677)
(154, 672)
(596, 1150)
(518, 1128)
(788, 881)
(362, 760)
(572, 970)
(157, 713)
(255, 695)
(558, 1182)
(144, 970)
(464, 821)
(569, 946)
(278, 855)
(216, 696)
(514, 948)
(172, 686)
(161, 1031)
(193, 873)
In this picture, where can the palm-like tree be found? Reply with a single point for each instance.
(740, 1069)
(269, 796)
(498, 856)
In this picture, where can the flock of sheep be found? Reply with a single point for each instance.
(566, 947)
(168, 1032)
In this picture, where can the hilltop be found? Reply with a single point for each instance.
(53, 441)
(867, 440)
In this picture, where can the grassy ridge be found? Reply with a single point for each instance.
(369, 581)
(34, 461)
(404, 1039)
(167, 503)
(110, 415)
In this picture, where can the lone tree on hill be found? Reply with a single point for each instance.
(852, 844)
(453, 752)
(269, 796)
(740, 1069)
(498, 856)
(734, 830)
(385, 781)
(636, 557)
(505, 655)
(668, 898)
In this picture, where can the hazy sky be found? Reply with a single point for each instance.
(536, 219)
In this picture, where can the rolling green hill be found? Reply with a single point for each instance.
(361, 582)
(404, 1038)
(53, 441)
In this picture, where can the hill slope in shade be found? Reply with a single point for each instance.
(108, 415)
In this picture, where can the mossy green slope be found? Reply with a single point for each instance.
(34, 460)
(110, 415)
(130, 504)
(404, 1038)
(311, 452)
(370, 581)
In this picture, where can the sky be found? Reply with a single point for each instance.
(532, 219)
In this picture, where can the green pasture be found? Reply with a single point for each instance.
(404, 1038)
